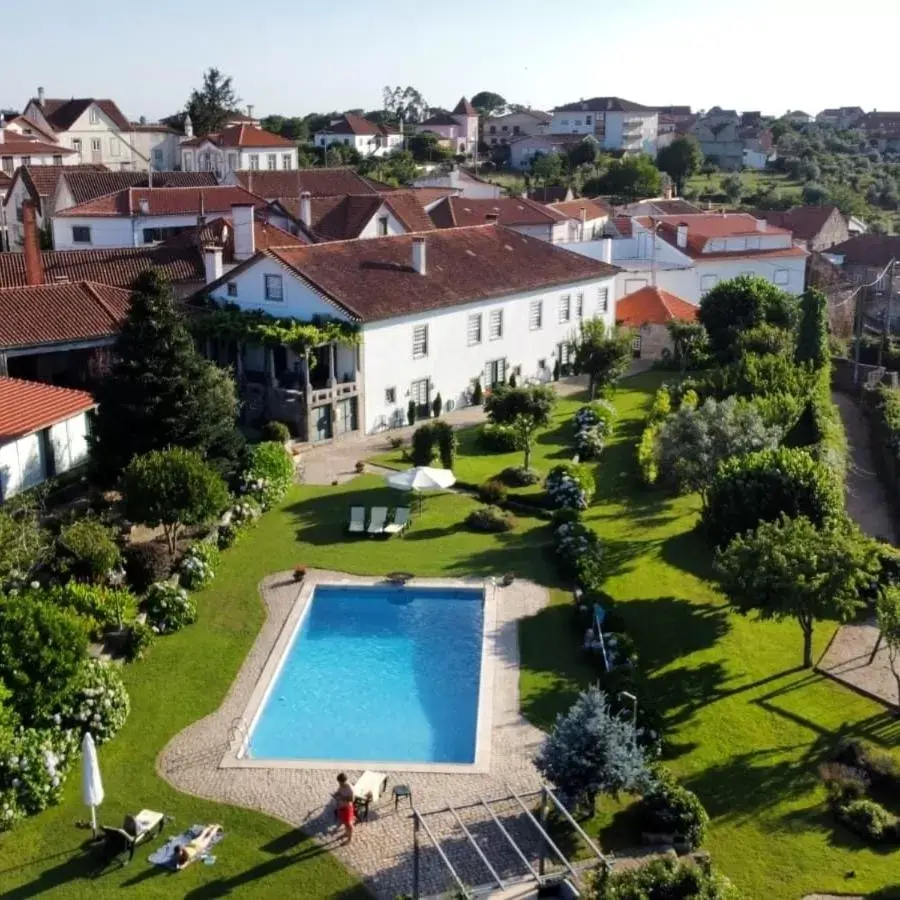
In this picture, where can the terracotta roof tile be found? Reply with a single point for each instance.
(241, 136)
(45, 178)
(805, 222)
(594, 209)
(62, 114)
(293, 182)
(220, 231)
(374, 279)
(511, 211)
(26, 123)
(29, 406)
(464, 108)
(653, 306)
(119, 267)
(165, 202)
(623, 225)
(604, 104)
(25, 147)
(88, 185)
(427, 196)
(60, 313)
(350, 123)
(875, 250)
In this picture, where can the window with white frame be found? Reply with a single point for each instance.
(565, 308)
(603, 299)
(579, 306)
(96, 145)
(274, 285)
(232, 161)
(157, 158)
(715, 245)
(473, 329)
(495, 325)
(536, 315)
(57, 160)
(708, 282)
(254, 161)
(272, 161)
(286, 160)
(81, 234)
(95, 115)
(420, 341)
(418, 392)
(782, 276)
(232, 289)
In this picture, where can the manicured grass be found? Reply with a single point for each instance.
(752, 180)
(745, 727)
(187, 675)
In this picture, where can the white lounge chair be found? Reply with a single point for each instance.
(368, 790)
(400, 523)
(357, 520)
(376, 522)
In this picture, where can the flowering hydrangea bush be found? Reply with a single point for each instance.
(569, 486)
(169, 608)
(244, 514)
(198, 565)
(98, 702)
(34, 763)
(593, 426)
(269, 474)
(575, 542)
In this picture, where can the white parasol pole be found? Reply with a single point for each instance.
(91, 782)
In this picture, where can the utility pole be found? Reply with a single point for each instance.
(886, 330)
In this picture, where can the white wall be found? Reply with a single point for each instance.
(394, 226)
(12, 207)
(118, 231)
(166, 143)
(226, 159)
(365, 144)
(615, 138)
(580, 122)
(473, 190)
(10, 162)
(452, 364)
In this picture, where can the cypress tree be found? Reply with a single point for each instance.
(812, 335)
(162, 392)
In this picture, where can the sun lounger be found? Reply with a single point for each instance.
(136, 830)
(400, 523)
(367, 790)
(377, 520)
(357, 520)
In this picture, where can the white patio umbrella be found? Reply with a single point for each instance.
(421, 478)
(91, 782)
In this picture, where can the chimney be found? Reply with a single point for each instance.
(41, 96)
(34, 268)
(606, 250)
(2, 128)
(244, 235)
(250, 110)
(582, 215)
(681, 235)
(144, 206)
(668, 190)
(492, 218)
(761, 224)
(306, 209)
(212, 262)
(419, 262)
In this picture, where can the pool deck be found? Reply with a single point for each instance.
(381, 852)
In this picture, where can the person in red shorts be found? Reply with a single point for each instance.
(343, 796)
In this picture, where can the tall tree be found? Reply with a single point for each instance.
(631, 178)
(526, 409)
(162, 392)
(812, 335)
(790, 569)
(210, 106)
(602, 353)
(547, 168)
(425, 147)
(733, 186)
(489, 104)
(887, 613)
(680, 159)
(405, 104)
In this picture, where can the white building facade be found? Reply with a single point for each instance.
(235, 148)
(616, 123)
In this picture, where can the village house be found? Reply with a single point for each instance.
(616, 123)
(813, 227)
(731, 142)
(843, 118)
(366, 137)
(337, 181)
(403, 319)
(236, 147)
(649, 311)
(459, 180)
(500, 130)
(688, 255)
(137, 216)
(524, 216)
(43, 433)
(19, 150)
(458, 129)
(523, 151)
(864, 258)
(882, 129)
(587, 217)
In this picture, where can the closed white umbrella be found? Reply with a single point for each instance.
(91, 782)
(421, 478)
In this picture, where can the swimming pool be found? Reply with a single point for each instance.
(377, 673)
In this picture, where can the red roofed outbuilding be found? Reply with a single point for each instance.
(649, 311)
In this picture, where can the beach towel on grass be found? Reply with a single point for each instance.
(166, 855)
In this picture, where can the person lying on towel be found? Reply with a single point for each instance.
(196, 847)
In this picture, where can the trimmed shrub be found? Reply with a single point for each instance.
(661, 878)
(103, 607)
(477, 393)
(97, 702)
(661, 405)
(593, 427)
(431, 440)
(648, 462)
(139, 641)
(519, 476)
(276, 432)
(575, 545)
(870, 820)
(488, 519)
(87, 550)
(269, 473)
(669, 808)
(169, 608)
(569, 484)
(492, 492)
(499, 438)
(145, 564)
(880, 765)
(445, 438)
(423, 450)
(843, 783)
(243, 515)
(761, 486)
(198, 565)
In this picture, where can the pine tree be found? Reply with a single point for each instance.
(210, 106)
(162, 392)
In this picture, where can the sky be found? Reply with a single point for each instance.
(298, 57)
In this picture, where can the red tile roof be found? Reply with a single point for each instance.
(22, 146)
(427, 195)
(604, 104)
(45, 178)
(464, 108)
(88, 185)
(594, 209)
(241, 136)
(350, 123)
(653, 306)
(60, 313)
(220, 231)
(119, 267)
(62, 114)
(29, 406)
(26, 123)
(874, 250)
(457, 211)
(805, 222)
(333, 182)
(623, 225)
(374, 279)
(165, 202)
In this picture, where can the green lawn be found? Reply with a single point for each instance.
(745, 728)
(711, 185)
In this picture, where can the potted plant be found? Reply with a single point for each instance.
(299, 573)
(508, 579)
(360, 467)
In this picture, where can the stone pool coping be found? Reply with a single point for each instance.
(381, 850)
(236, 755)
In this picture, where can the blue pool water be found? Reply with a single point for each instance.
(386, 674)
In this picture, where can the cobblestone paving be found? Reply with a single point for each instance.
(381, 851)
